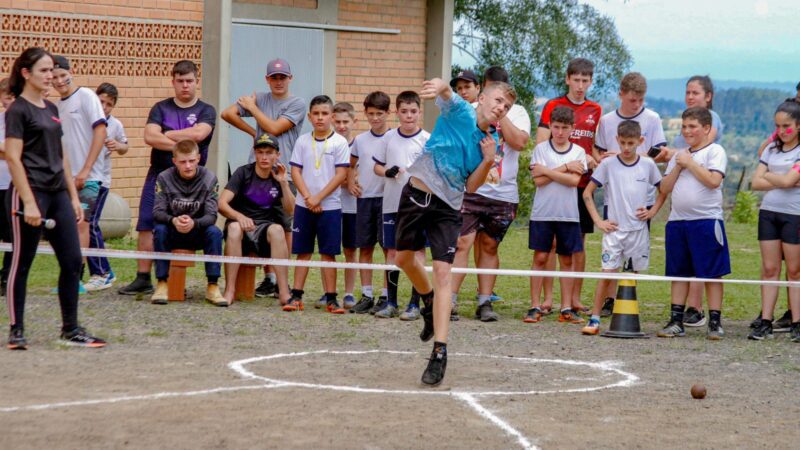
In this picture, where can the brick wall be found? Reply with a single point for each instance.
(130, 43)
(369, 62)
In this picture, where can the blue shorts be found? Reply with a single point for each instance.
(145, 221)
(697, 248)
(349, 230)
(324, 228)
(567, 235)
(389, 229)
(369, 218)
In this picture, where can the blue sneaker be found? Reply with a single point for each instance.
(349, 301)
(100, 282)
(592, 328)
(81, 289)
(495, 297)
(322, 303)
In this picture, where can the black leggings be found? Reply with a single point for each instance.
(64, 240)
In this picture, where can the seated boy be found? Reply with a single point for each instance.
(457, 157)
(319, 166)
(185, 211)
(251, 203)
(696, 244)
(391, 163)
(627, 178)
(556, 167)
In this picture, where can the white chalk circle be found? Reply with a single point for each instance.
(490, 374)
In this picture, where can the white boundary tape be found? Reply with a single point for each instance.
(130, 254)
(469, 398)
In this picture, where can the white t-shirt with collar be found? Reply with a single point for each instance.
(318, 160)
(556, 202)
(691, 199)
(364, 147)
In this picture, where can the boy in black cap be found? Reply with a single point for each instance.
(467, 85)
(255, 222)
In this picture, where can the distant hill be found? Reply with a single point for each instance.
(674, 88)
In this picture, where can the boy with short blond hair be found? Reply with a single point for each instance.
(319, 166)
(344, 121)
(627, 179)
(556, 167)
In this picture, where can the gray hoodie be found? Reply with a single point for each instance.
(197, 198)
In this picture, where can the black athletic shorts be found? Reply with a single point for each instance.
(775, 226)
(587, 224)
(369, 222)
(422, 215)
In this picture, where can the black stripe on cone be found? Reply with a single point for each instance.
(625, 317)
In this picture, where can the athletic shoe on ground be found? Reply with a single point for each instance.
(592, 328)
(495, 298)
(214, 296)
(427, 328)
(322, 302)
(437, 364)
(137, 286)
(715, 332)
(673, 329)
(784, 324)
(80, 338)
(16, 340)
(379, 305)
(485, 313)
(333, 307)
(98, 283)
(794, 334)
(757, 321)
(349, 301)
(266, 288)
(388, 312)
(160, 295)
(571, 317)
(764, 331)
(534, 315)
(294, 304)
(81, 289)
(693, 318)
(363, 306)
(454, 317)
(411, 313)
(608, 307)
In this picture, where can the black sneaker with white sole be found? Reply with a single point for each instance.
(266, 288)
(763, 331)
(363, 306)
(16, 339)
(80, 338)
(379, 305)
(794, 333)
(137, 286)
(694, 318)
(437, 364)
(757, 321)
(608, 307)
(784, 324)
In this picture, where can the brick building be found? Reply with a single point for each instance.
(342, 48)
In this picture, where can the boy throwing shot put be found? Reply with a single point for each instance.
(457, 156)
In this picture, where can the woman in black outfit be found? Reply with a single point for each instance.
(42, 188)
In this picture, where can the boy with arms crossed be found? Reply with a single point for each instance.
(319, 166)
(587, 113)
(457, 156)
(695, 235)
(391, 162)
(626, 238)
(557, 166)
(368, 190)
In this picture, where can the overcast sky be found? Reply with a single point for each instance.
(753, 40)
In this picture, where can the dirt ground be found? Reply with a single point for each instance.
(165, 382)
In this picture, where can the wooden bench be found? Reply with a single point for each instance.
(176, 283)
(246, 282)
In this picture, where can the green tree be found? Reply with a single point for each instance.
(535, 39)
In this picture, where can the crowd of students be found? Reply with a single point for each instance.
(402, 189)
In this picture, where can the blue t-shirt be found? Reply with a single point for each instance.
(716, 122)
(170, 116)
(452, 152)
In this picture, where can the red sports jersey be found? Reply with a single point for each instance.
(587, 116)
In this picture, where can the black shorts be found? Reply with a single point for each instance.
(586, 222)
(487, 215)
(774, 226)
(369, 222)
(348, 230)
(422, 215)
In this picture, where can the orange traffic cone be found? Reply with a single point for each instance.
(625, 317)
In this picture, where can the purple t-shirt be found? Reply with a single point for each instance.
(170, 116)
(255, 197)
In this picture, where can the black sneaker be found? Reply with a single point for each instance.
(694, 318)
(715, 332)
(16, 340)
(137, 286)
(757, 321)
(80, 338)
(608, 307)
(794, 334)
(437, 364)
(764, 331)
(485, 313)
(427, 328)
(379, 305)
(363, 306)
(784, 324)
(266, 288)
(672, 329)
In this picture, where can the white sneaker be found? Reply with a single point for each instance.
(99, 282)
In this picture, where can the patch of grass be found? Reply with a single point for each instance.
(156, 333)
